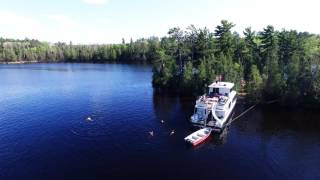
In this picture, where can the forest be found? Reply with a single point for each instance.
(31, 50)
(265, 65)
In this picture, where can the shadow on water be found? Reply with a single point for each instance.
(265, 121)
(270, 120)
(301, 121)
(175, 111)
(45, 134)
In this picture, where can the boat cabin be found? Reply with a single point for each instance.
(220, 88)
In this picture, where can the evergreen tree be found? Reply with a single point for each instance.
(292, 90)
(275, 65)
(187, 82)
(255, 85)
(224, 37)
(273, 77)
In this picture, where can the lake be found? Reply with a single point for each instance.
(45, 132)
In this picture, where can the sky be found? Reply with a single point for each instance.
(108, 21)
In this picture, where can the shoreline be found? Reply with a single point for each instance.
(50, 62)
(20, 62)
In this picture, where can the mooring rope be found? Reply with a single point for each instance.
(273, 101)
(243, 113)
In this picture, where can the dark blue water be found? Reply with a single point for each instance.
(45, 134)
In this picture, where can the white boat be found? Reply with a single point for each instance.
(214, 108)
(198, 136)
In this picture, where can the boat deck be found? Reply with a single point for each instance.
(207, 101)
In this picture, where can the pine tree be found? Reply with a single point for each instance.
(255, 85)
(224, 37)
(187, 83)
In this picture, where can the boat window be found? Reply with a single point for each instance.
(214, 92)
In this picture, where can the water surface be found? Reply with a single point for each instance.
(45, 134)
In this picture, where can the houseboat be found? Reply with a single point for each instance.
(214, 108)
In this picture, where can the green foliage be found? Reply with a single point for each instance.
(9, 54)
(292, 91)
(316, 87)
(187, 81)
(224, 37)
(164, 71)
(281, 65)
(255, 85)
(142, 50)
(275, 65)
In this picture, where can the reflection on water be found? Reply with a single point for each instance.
(221, 138)
(45, 133)
(276, 141)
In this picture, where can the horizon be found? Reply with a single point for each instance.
(110, 21)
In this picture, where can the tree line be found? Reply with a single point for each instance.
(31, 50)
(267, 65)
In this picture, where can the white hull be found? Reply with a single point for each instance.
(214, 109)
(220, 122)
(198, 136)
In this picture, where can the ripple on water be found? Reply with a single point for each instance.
(44, 131)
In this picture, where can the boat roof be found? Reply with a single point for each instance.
(220, 84)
